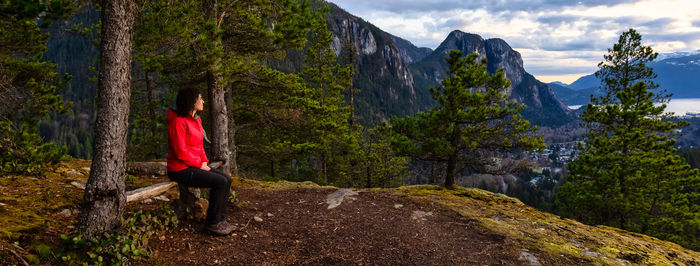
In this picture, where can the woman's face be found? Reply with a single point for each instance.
(199, 104)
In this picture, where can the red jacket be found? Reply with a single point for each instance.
(185, 142)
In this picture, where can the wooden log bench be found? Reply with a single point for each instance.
(190, 204)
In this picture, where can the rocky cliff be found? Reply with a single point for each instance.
(385, 82)
(543, 107)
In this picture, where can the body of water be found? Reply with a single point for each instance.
(679, 107)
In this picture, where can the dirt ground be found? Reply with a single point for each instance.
(298, 228)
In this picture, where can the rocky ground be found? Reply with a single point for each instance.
(308, 226)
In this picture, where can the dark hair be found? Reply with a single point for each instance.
(184, 103)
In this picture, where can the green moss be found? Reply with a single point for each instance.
(551, 234)
(31, 204)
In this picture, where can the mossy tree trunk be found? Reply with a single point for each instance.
(104, 201)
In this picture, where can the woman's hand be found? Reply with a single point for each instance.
(205, 167)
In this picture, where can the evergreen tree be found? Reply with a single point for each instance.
(219, 44)
(330, 138)
(473, 114)
(628, 174)
(104, 200)
(28, 87)
(382, 167)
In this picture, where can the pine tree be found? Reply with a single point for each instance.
(330, 136)
(473, 114)
(28, 87)
(628, 174)
(219, 45)
(104, 201)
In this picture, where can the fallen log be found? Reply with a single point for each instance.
(149, 191)
(190, 203)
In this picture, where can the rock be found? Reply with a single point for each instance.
(590, 253)
(257, 219)
(74, 172)
(420, 215)
(162, 198)
(190, 204)
(398, 206)
(336, 198)
(78, 184)
(529, 258)
(270, 214)
(65, 213)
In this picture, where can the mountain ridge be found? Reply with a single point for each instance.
(542, 106)
(677, 72)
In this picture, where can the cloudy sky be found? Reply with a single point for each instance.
(558, 39)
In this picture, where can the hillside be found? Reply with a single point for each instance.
(570, 96)
(677, 73)
(286, 222)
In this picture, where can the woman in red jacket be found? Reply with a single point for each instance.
(187, 162)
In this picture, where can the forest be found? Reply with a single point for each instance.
(268, 120)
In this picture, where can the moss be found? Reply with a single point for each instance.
(30, 204)
(551, 234)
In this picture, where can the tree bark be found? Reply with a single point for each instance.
(104, 200)
(219, 119)
(451, 171)
(155, 153)
(217, 102)
(233, 161)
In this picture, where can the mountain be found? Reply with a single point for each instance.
(585, 82)
(385, 82)
(392, 76)
(409, 52)
(570, 96)
(677, 73)
(560, 83)
(542, 106)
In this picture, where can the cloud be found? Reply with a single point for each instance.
(670, 36)
(421, 6)
(659, 24)
(554, 36)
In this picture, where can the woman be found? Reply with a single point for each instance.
(187, 163)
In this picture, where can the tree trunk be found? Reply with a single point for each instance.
(233, 161)
(324, 168)
(217, 102)
(104, 200)
(155, 153)
(219, 120)
(368, 176)
(451, 171)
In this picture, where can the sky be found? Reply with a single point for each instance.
(559, 40)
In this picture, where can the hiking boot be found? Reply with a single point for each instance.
(221, 228)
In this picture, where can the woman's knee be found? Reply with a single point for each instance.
(219, 172)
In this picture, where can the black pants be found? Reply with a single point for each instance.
(218, 181)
